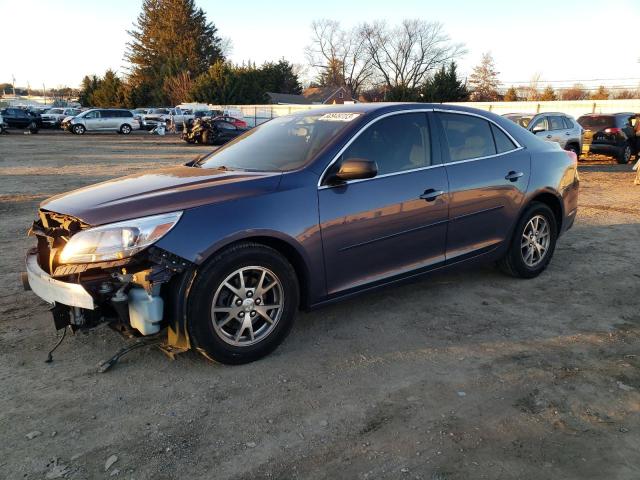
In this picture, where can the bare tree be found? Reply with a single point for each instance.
(533, 93)
(406, 56)
(340, 55)
(484, 80)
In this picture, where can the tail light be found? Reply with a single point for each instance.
(613, 130)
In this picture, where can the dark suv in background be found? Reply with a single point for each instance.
(615, 134)
(19, 118)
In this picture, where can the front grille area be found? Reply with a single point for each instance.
(53, 231)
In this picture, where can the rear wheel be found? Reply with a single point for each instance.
(533, 242)
(572, 147)
(78, 129)
(125, 129)
(625, 154)
(243, 304)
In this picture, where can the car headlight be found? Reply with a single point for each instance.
(117, 240)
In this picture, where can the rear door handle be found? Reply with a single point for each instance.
(513, 176)
(548, 136)
(431, 194)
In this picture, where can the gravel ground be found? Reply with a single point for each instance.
(464, 375)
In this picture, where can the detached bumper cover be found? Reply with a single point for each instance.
(55, 291)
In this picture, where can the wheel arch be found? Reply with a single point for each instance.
(553, 201)
(285, 246)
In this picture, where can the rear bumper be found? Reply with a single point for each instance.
(55, 291)
(602, 148)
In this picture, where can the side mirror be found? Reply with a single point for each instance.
(538, 129)
(354, 169)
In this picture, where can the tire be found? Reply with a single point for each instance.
(625, 154)
(517, 262)
(205, 139)
(233, 340)
(572, 147)
(125, 129)
(78, 129)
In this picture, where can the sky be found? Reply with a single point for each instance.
(59, 41)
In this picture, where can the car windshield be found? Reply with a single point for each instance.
(162, 111)
(522, 120)
(282, 144)
(55, 110)
(596, 122)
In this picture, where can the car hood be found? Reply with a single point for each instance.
(159, 191)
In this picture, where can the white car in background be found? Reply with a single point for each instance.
(167, 115)
(54, 116)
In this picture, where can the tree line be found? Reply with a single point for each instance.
(175, 55)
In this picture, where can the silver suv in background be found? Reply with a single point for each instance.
(553, 127)
(102, 120)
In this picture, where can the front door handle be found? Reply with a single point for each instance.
(548, 136)
(431, 194)
(513, 176)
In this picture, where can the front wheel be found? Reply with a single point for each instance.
(243, 304)
(532, 244)
(125, 129)
(78, 129)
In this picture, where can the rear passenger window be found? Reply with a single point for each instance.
(503, 143)
(568, 124)
(468, 136)
(555, 123)
(396, 143)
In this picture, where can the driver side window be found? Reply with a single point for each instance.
(396, 143)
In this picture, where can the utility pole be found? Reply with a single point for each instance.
(13, 78)
(44, 93)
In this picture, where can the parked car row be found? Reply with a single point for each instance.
(616, 134)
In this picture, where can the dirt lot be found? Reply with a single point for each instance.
(465, 375)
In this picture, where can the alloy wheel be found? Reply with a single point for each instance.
(535, 241)
(247, 306)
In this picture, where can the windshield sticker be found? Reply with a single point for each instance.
(339, 117)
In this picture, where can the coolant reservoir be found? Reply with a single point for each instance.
(145, 311)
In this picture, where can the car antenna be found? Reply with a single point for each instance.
(50, 354)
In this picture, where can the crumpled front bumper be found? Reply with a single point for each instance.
(54, 291)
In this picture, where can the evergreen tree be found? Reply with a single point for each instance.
(548, 94)
(511, 95)
(280, 78)
(109, 91)
(89, 85)
(169, 37)
(484, 81)
(445, 86)
(601, 94)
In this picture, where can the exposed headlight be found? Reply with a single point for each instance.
(117, 240)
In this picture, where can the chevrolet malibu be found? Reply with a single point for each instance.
(304, 210)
